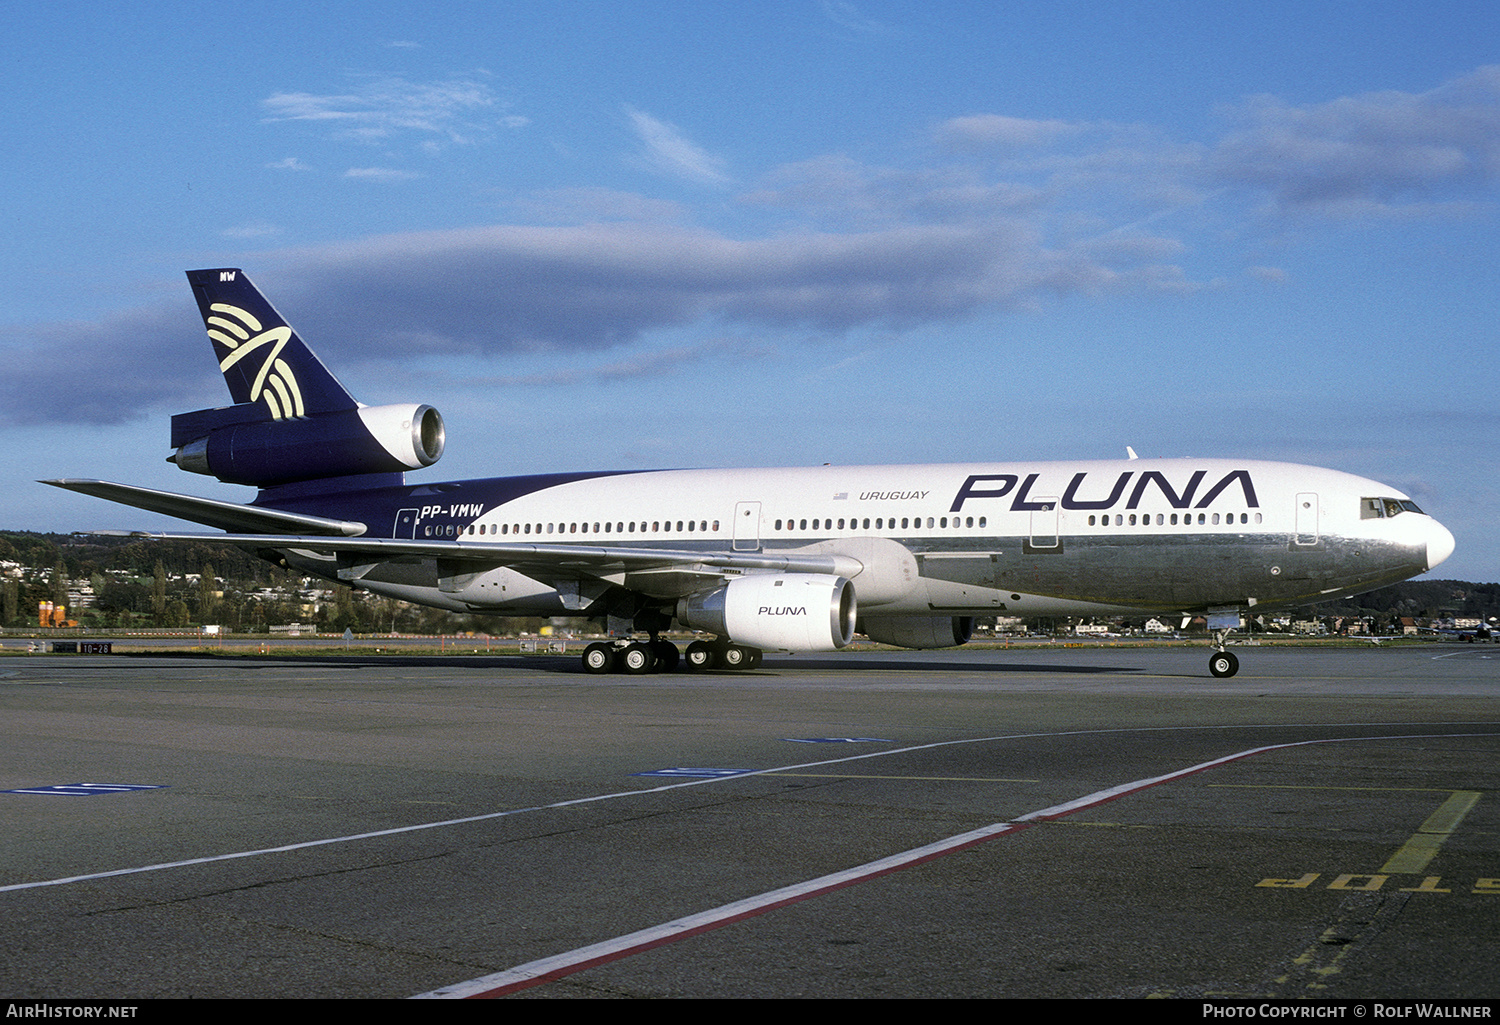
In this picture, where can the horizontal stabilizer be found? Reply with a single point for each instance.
(223, 515)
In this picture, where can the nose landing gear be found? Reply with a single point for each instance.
(1222, 663)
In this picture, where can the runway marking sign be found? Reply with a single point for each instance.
(692, 773)
(837, 740)
(87, 789)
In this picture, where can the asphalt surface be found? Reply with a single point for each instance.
(384, 827)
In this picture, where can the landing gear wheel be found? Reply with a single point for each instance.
(698, 657)
(636, 659)
(755, 656)
(1223, 664)
(598, 658)
(735, 657)
(667, 655)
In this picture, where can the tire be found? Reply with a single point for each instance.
(698, 657)
(1223, 664)
(636, 659)
(598, 659)
(667, 656)
(735, 657)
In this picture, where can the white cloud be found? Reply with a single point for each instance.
(666, 150)
(979, 131)
(846, 15)
(253, 229)
(455, 109)
(380, 174)
(1370, 154)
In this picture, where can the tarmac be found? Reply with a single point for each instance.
(1089, 822)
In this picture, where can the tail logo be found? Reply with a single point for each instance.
(240, 332)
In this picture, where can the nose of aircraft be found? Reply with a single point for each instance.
(1439, 543)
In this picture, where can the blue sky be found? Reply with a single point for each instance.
(620, 235)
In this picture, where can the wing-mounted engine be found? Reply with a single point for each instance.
(776, 611)
(918, 631)
(238, 445)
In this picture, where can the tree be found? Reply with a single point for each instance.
(208, 599)
(159, 593)
(59, 584)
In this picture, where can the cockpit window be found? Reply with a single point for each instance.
(1381, 508)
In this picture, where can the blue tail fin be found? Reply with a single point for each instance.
(291, 421)
(262, 358)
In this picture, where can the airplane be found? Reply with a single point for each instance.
(780, 559)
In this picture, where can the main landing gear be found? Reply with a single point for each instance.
(659, 656)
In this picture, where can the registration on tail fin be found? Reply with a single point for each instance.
(291, 420)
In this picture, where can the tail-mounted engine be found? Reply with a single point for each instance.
(238, 445)
(778, 612)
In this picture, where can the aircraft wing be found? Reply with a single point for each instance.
(592, 560)
(659, 572)
(210, 512)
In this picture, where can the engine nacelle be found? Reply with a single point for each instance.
(777, 612)
(918, 631)
(239, 446)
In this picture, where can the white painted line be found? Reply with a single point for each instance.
(547, 969)
(443, 824)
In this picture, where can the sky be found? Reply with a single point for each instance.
(602, 235)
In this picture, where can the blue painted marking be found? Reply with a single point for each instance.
(695, 773)
(87, 789)
(837, 740)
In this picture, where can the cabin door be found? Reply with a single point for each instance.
(1306, 517)
(746, 532)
